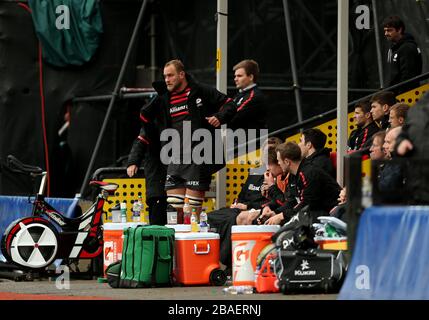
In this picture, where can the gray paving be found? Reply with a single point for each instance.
(102, 290)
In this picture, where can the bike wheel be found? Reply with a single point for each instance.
(31, 243)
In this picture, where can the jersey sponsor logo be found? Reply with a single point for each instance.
(193, 183)
(199, 102)
(178, 109)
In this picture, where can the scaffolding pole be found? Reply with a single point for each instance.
(292, 60)
(221, 85)
(342, 86)
(378, 45)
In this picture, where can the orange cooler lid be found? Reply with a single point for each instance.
(179, 227)
(197, 236)
(255, 229)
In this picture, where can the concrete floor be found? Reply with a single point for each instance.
(91, 289)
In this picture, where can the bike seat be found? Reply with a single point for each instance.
(108, 186)
(17, 166)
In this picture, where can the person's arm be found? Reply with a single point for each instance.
(409, 62)
(137, 153)
(251, 108)
(149, 111)
(310, 193)
(403, 144)
(223, 108)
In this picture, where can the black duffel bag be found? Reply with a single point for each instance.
(310, 270)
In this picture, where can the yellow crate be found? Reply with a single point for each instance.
(129, 190)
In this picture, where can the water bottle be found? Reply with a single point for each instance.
(123, 212)
(136, 212)
(187, 212)
(116, 214)
(239, 290)
(204, 226)
(171, 215)
(366, 192)
(331, 232)
(194, 221)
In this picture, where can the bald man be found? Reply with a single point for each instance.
(391, 181)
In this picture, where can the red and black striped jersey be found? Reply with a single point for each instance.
(178, 107)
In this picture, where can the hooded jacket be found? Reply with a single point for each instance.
(250, 110)
(321, 159)
(313, 187)
(404, 59)
(203, 101)
(141, 151)
(361, 138)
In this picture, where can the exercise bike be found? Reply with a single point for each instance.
(37, 241)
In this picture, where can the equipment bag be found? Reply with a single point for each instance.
(113, 273)
(316, 270)
(147, 258)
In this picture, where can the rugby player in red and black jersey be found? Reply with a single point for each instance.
(361, 138)
(185, 106)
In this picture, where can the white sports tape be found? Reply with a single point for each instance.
(176, 200)
(195, 201)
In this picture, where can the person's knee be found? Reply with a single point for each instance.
(241, 218)
(176, 200)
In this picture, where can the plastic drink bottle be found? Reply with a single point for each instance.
(194, 221)
(187, 212)
(136, 211)
(123, 212)
(204, 226)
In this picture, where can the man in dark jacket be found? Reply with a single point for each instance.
(250, 100)
(312, 145)
(404, 56)
(154, 171)
(312, 186)
(361, 138)
(391, 177)
(186, 109)
(381, 102)
(413, 142)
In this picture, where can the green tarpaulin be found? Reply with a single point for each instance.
(69, 30)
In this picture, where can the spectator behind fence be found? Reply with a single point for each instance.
(381, 103)
(312, 144)
(250, 101)
(404, 56)
(360, 138)
(413, 142)
(398, 115)
(376, 150)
